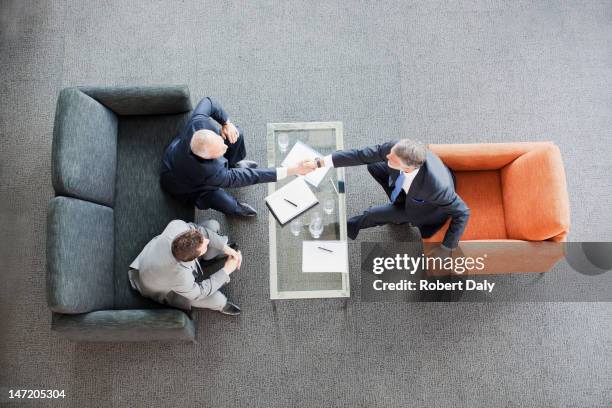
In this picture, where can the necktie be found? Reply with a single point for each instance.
(399, 183)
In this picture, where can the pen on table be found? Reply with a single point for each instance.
(334, 186)
(325, 249)
(290, 202)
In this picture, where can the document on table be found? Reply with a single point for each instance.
(300, 152)
(291, 200)
(325, 256)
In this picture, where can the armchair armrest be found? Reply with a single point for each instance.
(535, 199)
(136, 325)
(142, 100)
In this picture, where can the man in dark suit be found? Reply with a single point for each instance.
(419, 186)
(208, 156)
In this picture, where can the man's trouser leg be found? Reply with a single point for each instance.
(219, 200)
(375, 216)
(215, 301)
(379, 172)
(235, 151)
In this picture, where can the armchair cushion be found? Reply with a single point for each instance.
(84, 153)
(79, 256)
(536, 204)
(142, 100)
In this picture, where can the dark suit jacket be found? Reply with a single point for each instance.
(186, 175)
(431, 198)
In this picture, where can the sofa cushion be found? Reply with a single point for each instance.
(79, 256)
(536, 203)
(84, 148)
(481, 191)
(142, 100)
(142, 209)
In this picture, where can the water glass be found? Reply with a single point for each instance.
(283, 142)
(316, 225)
(296, 227)
(328, 205)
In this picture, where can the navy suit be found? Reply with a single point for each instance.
(430, 201)
(192, 179)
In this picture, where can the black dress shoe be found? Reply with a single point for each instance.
(246, 164)
(245, 210)
(230, 309)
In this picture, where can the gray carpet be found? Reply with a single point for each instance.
(475, 71)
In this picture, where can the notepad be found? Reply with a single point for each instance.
(316, 256)
(291, 200)
(300, 152)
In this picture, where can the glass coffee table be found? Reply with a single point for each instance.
(287, 281)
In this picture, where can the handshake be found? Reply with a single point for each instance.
(304, 167)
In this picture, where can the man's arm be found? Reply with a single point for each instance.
(357, 157)
(194, 290)
(209, 108)
(460, 213)
(241, 177)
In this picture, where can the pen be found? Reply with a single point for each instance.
(325, 249)
(290, 202)
(334, 186)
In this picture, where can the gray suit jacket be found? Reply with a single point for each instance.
(160, 272)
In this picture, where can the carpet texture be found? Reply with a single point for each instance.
(442, 72)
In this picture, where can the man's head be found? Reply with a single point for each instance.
(189, 245)
(207, 144)
(407, 155)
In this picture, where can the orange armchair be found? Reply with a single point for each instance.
(519, 204)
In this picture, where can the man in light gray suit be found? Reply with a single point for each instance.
(172, 262)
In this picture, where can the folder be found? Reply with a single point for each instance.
(300, 152)
(291, 200)
(325, 256)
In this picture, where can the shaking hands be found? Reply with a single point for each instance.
(303, 168)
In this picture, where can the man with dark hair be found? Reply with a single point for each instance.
(172, 262)
(208, 156)
(421, 189)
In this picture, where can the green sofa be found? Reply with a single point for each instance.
(108, 144)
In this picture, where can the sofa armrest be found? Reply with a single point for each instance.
(142, 100)
(137, 325)
(535, 199)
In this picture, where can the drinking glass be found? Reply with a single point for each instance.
(283, 142)
(328, 205)
(296, 226)
(316, 225)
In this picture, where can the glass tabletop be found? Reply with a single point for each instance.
(287, 281)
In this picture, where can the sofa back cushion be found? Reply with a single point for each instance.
(142, 100)
(79, 256)
(84, 153)
(536, 203)
(142, 208)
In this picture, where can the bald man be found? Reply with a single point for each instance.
(208, 156)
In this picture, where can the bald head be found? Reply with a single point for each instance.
(207, 144)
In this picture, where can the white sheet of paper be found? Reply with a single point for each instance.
(300, 152)
(296, 191)
(315, 259)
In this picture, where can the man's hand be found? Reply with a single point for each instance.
(233, 253)
(303, 168)
(229, 132)
(232, 263)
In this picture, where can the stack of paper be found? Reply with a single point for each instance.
(325, 256)
(300, 152)
(291, 200)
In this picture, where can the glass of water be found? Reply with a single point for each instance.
(296, 226)
(316, 225)
(328, 205)
(283, 141)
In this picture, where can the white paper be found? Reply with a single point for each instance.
(296, 191)
(315, 259)
(300, 152)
